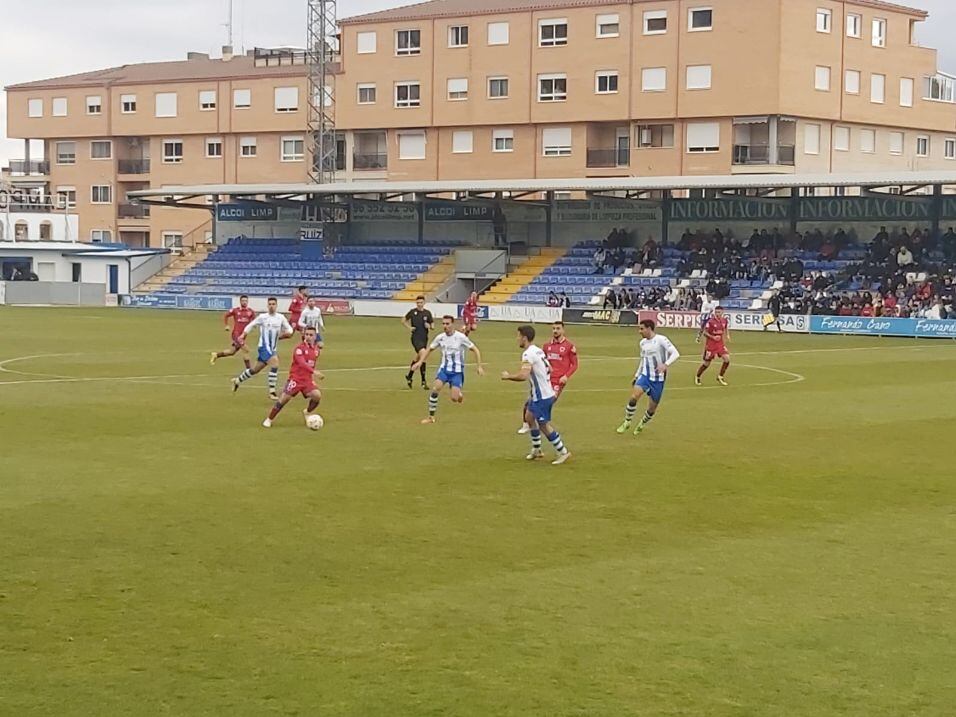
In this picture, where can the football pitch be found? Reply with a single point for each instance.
(784, 546)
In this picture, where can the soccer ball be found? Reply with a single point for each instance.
(314, 421)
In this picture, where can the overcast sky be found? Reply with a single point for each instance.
(46, 38)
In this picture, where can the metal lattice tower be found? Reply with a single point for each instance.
(322, 47)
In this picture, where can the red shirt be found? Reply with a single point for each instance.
(716, 327)
(867, 310)
(303, 362)
(469, 310)
(295, 308)
(563, 357)
(240, 319)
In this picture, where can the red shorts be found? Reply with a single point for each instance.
(712, 352)
(239, 341)
(293, 387)
(558, 388)
(470, 322)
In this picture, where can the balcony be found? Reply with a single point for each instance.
(608, 158)
(29, 167)
(369, 161)
(133, 166)
(133, 211)
(747, 154)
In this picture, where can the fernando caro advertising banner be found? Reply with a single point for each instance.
(878, 326)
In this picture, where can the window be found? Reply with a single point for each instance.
(498, 33)
(556, 141)
(213, 147)
(922, 146)
(127, 104)
(949, 148)
(854, 25)
(552, 33)
(172, 151)
(408, 42)
(851, 82)
(811, 139)
(654, 79)
(462, 142)
(877, 88)
(497, 88)
(411, 145)
(207, 100)
(365, 43)
(247, 147)
(606, 82)
(172, 240)
(66, 197)
(408, 94)
(703, 137)
(503, 140)
(98, 236)
(35, 108)
(608, 26)
(66, 152)
(879, 32)
(552, 88)
(101, 194)
(906, 91)
(366, 94)
(293, 149)
(867, 141)
(698, 77)
(897, 142)
(700, 19)
(655, 135)
(655, 22)
(824, 20)
(165, 104)
(939, 87)
(841, 139)
(458, 88)
(101, 149)
(458, 36)
(59, 107)
(94, 105)
(241, 99)
(286, 99)
(821, 79)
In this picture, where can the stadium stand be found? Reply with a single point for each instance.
(505, 290)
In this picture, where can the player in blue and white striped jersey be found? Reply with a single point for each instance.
(537, 372)
(272, 326)
(453, 345)
(658, 354)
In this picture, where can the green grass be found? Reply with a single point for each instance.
(779, 547)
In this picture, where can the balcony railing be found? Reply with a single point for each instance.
(133, 166)
(608, 158)
(376, 160)
(760, 154)
(133, 211)
(28, 167)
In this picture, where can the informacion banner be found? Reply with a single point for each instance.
(884, 326)
(247, 212)
(177, 301)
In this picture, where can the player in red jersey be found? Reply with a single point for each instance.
(241, 316)
(469, 314)
(302, 375)
(562, 356)
(717, 332)
(299, 297)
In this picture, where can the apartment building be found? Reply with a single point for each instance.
(461, 89)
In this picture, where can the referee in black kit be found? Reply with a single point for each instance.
(419, 321)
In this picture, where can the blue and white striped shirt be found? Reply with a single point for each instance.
(540, 376)
(271, 327)
(655, 352)
(452, 350)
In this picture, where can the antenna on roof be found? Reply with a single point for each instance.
(228, 25)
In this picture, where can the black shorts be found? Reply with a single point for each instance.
(419, 342)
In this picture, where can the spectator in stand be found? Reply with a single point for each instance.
(565, 301)
(600, 258)
(949, 245)
(552, 299)
(610, 300)
(889, 304)
(904, 257)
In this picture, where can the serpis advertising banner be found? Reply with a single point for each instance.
(884, 326)
(738, 321)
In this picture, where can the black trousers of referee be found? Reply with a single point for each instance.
(418, 343)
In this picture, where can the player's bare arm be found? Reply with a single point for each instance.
(522, 375)
(422, 358)
(481, 366)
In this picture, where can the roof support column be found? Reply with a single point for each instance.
(420, 207)
(548, 217)
(936, 210)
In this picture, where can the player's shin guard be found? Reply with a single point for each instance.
(275, 410)
(556, 441)
(536, 439)
(244, 376)
(432, 403)
(313, 404)
(630, 409)
(273, 379)
(647, 418)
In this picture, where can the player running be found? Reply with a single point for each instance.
(658, 354)
(241, 316)
(272, 327)
(312, 318)
(717, 331)
(419, 321)
(707, 307)
(452, 370)
(562, 356)
(299, 297)
(469, 314)
(302, 375)
(536, 371)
